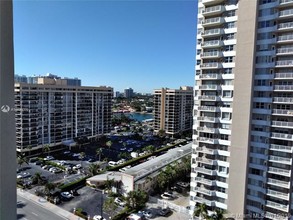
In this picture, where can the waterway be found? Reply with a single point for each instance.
(139, 116)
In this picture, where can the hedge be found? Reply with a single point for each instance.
(73, 185)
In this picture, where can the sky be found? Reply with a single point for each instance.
(144, 45)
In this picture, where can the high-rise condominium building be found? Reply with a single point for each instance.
(128, 93)
(173, 110)
(243, 112)
(52, 112)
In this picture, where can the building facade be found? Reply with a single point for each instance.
(128, 93)
(243, 124)
(173, 110)
(54, 113)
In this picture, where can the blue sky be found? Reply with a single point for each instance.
(144, 45)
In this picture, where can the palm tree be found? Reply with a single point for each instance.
(109, 144)
(29, 147)
(99, 152)
(46, 149)
(37, 178)
(21, 159)
(162, 180)
(201, 211)
(136, 199)
(110, 206)
(218, 215)
(48, 188)
(109, 183)
(93, 169)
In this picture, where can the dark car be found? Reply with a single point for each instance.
(165, 212)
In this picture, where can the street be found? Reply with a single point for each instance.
(28, 210)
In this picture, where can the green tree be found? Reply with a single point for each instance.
(110, 206)
(99, 152)
(162, 180)
(136, 199)
(201, 211)
(109, 183)
(46, 149)
(161, 133)
(30, 147)
(37, 178)
(218, 215)
(21, 159)
(93, 169)
(48, 188)
(109, 144)
(150, 149)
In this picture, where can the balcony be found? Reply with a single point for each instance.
(208, 98)
(206, 161)
(283, 75)
(205, 181)
(214, 10)
(285, 3)
(282, 124)
(208, 130)
(213, 54)
(286, 13)
(211, 65)
(283, 87)
(212, 44)
(282, 160)
(202, 190)
(279, 171)
(278, 183)
(277, 194)
(206, 201)
(282, 112)
(211, 2)
(285, 26)
(206, 150)
(213, 22)
(285, 38)
(281, 148)
(278, 206)
(210, 87)
(209, 108)
(282, 136)
(208, 119)
(213, 32)
(285, 50)
(205, 171)
(210, 76)
(208, 140)
(282, 100)
(284, 63)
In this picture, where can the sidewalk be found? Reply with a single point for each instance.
(47, 205)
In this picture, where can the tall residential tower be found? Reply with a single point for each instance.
(243, 111)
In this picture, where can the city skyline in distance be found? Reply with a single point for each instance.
(144, 45)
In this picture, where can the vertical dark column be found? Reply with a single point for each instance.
(7, 118)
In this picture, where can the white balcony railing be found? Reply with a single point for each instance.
(212, 43)
(282, 136)
(277, 206)
(278, 182)
(208, 108)
(277, 194)
(279, 171)
(285, 25)
(280, 159)
(282, 112)
(286, 37)
(283, 100)
(286, 12)
(282, 124)
(210, 76)
(285, 1)
(284, 63)
(285, 50)
(283, 148)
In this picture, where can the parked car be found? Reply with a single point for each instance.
(119, 202)
(23, 175)
(49, 158)
(165, 212)
(98, 217)
(147, 213)
(182, 184)
(66, 195)
(167, 196)
(77, 166)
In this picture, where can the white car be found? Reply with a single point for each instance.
(119, 202)
(182, 184)
(67, 195)
(98, 217)
(61, 162)
(23, 175)
(77, 166)
(49, 158)
(167, 196)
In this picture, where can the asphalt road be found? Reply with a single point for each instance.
(27, 210)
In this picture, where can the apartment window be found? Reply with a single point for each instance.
(230, 24)
(229, 48)
(265, 12)
(197, 62)
(221, 189)
(222, 169)
(227, 94)
(230, 13)
(265, 24)
(255, 171)
(198, 41)
(261, 82)
(224, 137)
(260, 105)
(266, 1)
(228, 59)
(253, 203)
(225, 115)
(198, 52)
(230, 36)
(225, 126)
(228, 82)
(228, 71)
